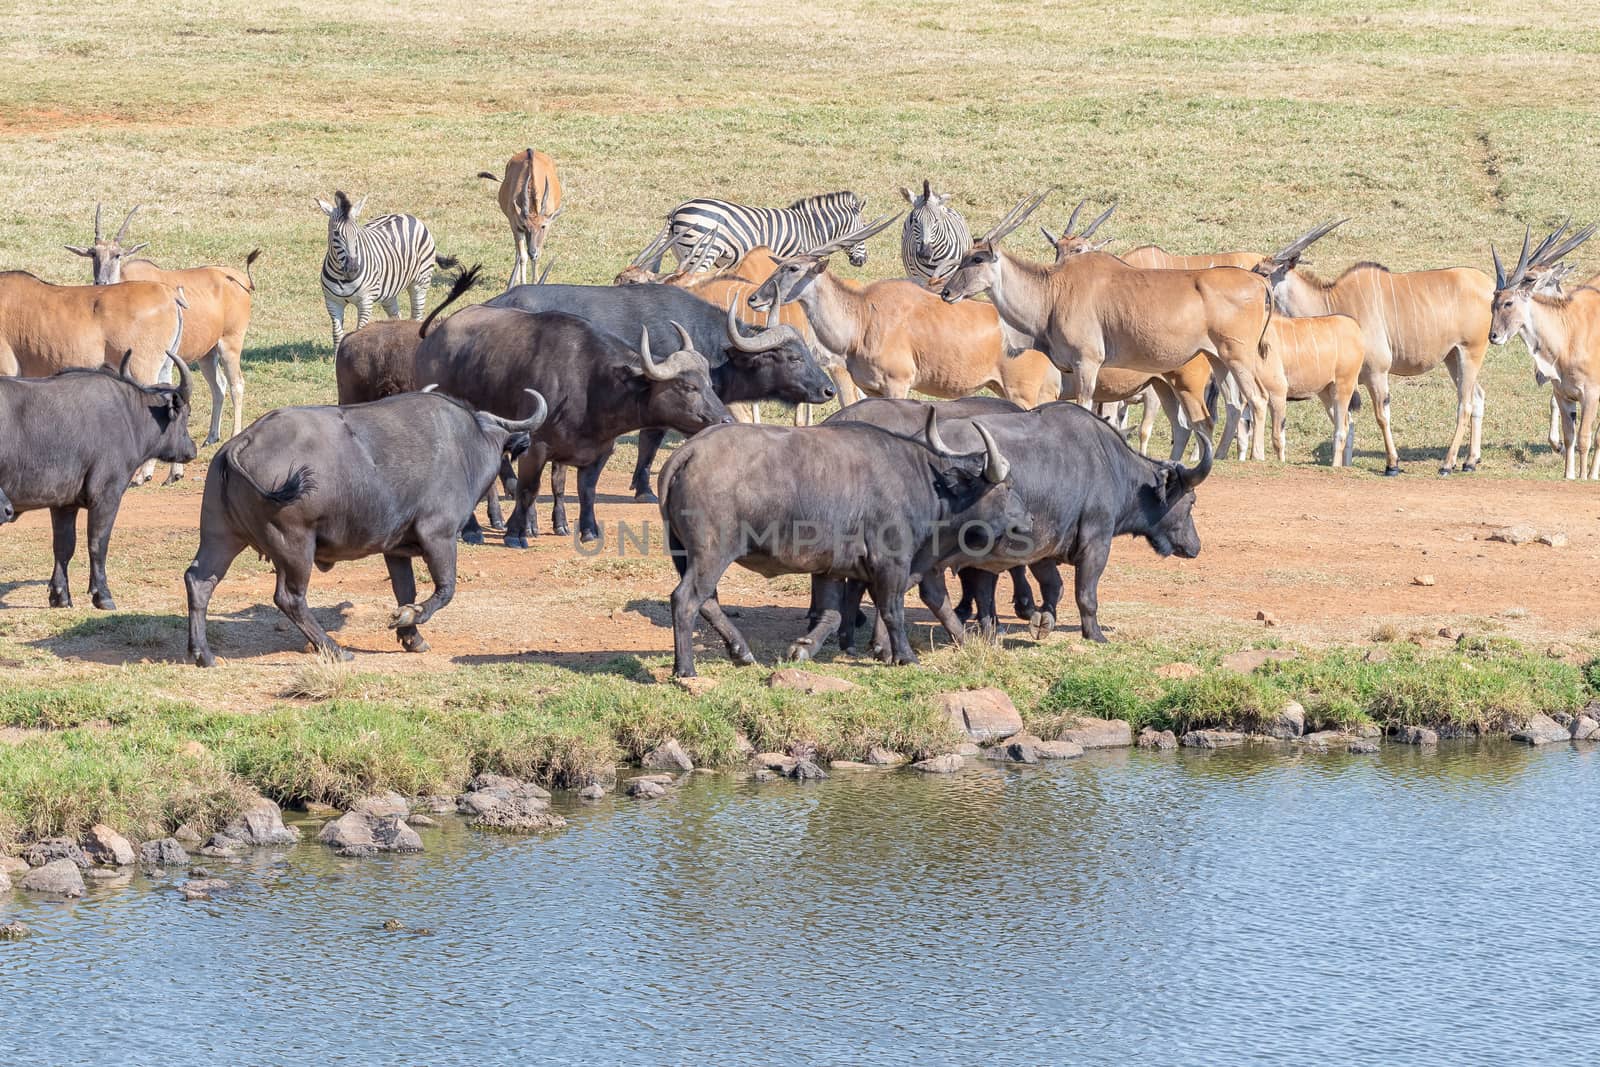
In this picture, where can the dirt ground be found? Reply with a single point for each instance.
(1331, 555)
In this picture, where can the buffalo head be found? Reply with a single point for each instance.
(1168, 505)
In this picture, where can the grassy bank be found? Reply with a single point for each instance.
(86, 752)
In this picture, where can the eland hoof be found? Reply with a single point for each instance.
(1391, 472)
(1468, 468)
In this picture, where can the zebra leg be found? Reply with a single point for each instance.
(336, 314)
(419, 293)
(363, 311)
(392, 306)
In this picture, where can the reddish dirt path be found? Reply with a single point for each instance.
(1331, 554)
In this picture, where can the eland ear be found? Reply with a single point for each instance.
(75, 250)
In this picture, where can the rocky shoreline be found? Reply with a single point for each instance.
(984, 724)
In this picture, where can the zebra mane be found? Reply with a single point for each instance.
(844, 198)
(341, 203)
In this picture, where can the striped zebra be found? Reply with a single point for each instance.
(730, 230)
(934, 237)
(371, 263)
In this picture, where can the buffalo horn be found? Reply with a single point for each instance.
(651, 371)
(764, 341)
(1193, 476)
(185, 382)
(931, 432)
(995, 465)
(527, 425)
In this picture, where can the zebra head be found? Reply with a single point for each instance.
(934, 237)
(856, 206)
(343, 226)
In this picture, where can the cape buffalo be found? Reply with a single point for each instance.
(75, 440)
(311, 486)
(598, 389)
(774, 364)
(7, 512)
(847, 501)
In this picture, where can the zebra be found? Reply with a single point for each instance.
(370, 263)
(730, 230)
(934, 237)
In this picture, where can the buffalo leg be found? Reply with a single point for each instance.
(823, 617)
(650, 440)
(558, 503)
(588, 484)
(982, 585)
(210, 566)
(889, 594)
(851, 615)
(1088, 566)
(404, 582)
(936, 598)
(695, 587)
(1043, 621)
(471, 532)
(101, 518)
(738, 647)
(1021, 594)
(63, 542)
(294, 578)
(523, 524)
(491, 500)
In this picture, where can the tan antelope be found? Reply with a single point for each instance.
(218, 311)
(896, 336)
(1092, 310)
(1563, 334)
(1547, 275)
(1319, 356)
(530, 196)
(1410, 323)
(1181, 396)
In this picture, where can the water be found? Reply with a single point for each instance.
(1414, 907)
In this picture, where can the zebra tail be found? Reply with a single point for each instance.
(448, 262)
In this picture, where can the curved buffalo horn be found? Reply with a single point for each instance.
(123, 232)
(527, 425)
(996, 467)
(651, 371)
(185, 382)
(430, 388)
(931, 432)
(1016, 217)
(687, 342)
(97, 222)
(1292, 250)
(1073, 220)
(1095, 225)
(1191, 477)
(764, 341)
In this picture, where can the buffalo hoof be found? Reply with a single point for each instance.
(103, 601)
(60, 599)
(1025, 609)
(516, 541)
(472, 537)
(800, 651)
(560, 529)
(344, 655)
(173, 478)
(1391, 472)
(644, 496)
(588, 537)
(404, 616)
(415, 643)
(1041, 624)
(203, 659)
(210, 440)
(908, 660)
(1094, 635)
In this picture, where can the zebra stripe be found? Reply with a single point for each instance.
(933, 239)
(372, 263)
(731, 230)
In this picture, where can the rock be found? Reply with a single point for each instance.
(1541, 730)
(1451, 635)
(261, 823)
(1150, 737)
(667, 756)
(13, 865)
(1212, 739)
(220, 846)
(1058, 749)
(1362, 747)
(1099, 733)
(981, 714)
(166, 852)
(742, 746)
(1423, 579)
(192, 894)
(1326, 739)
(388, 803)
(484, 782)
(1414, 735)
(849, 765)
(1012, 752)
(1585, 729)
(806, 771)
(659, 779)
(1288, 723)
(5, 881)
(948, 764)
(351, 829)
(438, 804)
(50, 849)
(206, 885)
(1267, 617)
(1178, 670)
(102, 844)
(809, 682)
(968, 748)
(496, 802)
(1253, 658)
(695, 685)
(879, 756)
(103, 874)
(14, 931)
(776, 761)
(392, 925)
(417, 819)
(592, 791)
(391, 834)
(1560, 651)
(1377, 655)
(60, 877)
(1369, 730)
(1519, 534)
(763, 775)
(644, 789)
(188, 836)
(1555, 539)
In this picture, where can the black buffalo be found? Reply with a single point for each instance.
(7, 512)
(314, 486)
(598, 389)
(846, 501)
(774, 364)
(75, 440)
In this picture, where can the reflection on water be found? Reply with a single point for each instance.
(1419, 907)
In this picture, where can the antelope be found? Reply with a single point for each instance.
(896, 336)
(1546, 275)
(1410, 323)
(1091, 309)
(1563, 335)
(527, 173)
(218, 311)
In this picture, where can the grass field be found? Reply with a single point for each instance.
(1214, 125)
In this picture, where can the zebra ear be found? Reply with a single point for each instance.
(910, 197)
(327, 208)
(355, 211)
